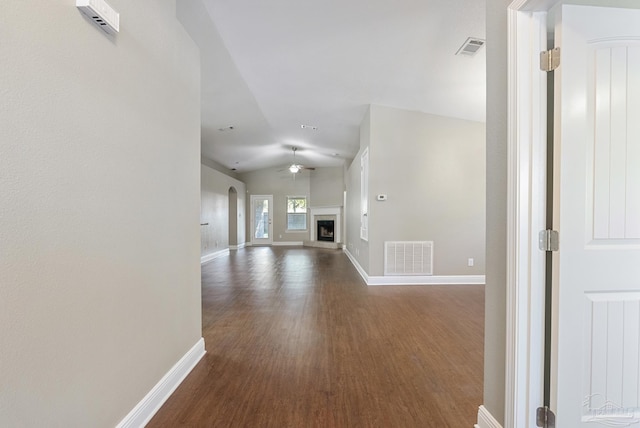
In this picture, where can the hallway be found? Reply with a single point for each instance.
(295, 339)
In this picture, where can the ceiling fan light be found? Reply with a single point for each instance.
(294, 168)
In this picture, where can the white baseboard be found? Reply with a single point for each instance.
(287, 244)
(151, 403)
(427, 280)
(415, 280)
(237, 247)
(215, 255)
(355, 263)
(486, 419)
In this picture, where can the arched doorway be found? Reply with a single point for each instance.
(233, 218)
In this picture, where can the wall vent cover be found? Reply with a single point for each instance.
(101, 13)
(408, 258)
(471, 46)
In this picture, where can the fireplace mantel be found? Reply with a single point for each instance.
(325, 211)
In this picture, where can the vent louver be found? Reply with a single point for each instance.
(408, 258)
(101, 13)
(471, 46)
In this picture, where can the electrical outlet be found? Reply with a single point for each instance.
(470, 262)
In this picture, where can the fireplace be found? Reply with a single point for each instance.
(325, 230)
(333, 214)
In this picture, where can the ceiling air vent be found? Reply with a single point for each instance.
(470, 47)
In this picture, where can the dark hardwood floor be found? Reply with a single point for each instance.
(295, 338)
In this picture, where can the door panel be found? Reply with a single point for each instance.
(261, 219)
(616, 178)
(596, 273)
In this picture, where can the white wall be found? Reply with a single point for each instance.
(214, 211)
(99, 177)
(432, 170)
(326, 187)
(496, 267)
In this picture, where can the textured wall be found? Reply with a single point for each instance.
(99, 177)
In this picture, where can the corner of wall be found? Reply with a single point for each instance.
(486, 419)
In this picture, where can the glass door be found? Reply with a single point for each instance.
(261, 219)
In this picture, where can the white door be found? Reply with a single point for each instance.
(596, 272)
(261, 219)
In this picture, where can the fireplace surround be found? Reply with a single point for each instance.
(326, 213)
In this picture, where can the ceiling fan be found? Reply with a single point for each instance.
(295, 168)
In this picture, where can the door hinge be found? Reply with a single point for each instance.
(545, 418)
(548, 240)
(550, 60)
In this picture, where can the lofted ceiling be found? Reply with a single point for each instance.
(269, 67)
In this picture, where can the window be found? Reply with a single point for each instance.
(296, 213)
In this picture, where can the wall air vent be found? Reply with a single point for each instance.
(101, 13)
(470, 47)
(408, 258)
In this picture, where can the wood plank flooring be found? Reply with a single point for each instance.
(295, 338)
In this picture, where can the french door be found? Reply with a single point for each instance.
(261, 219)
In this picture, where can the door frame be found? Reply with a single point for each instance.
(526, 208)
(252, 219)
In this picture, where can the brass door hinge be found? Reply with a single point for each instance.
(550, 60)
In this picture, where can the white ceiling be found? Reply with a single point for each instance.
(270, 66)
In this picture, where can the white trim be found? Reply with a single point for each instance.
(151, 403)
(237, 247)
(426, 280)
(215, 255)
(287, 244)
(526, 204)
(306, 213)
(414, 280)
(355, 263)
(261, 241)
(486, 419)
(326, 211)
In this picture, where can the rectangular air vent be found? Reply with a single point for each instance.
(101, 13)
(470, 47)
(408, 258)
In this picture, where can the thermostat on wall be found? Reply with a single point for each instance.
(381, 197)
(101, 13)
